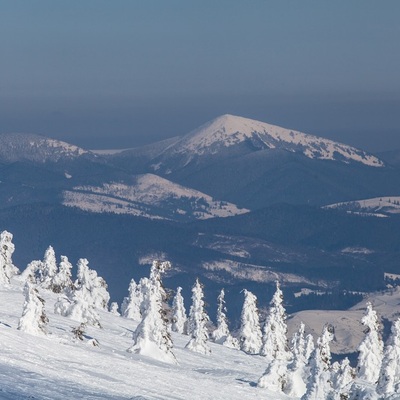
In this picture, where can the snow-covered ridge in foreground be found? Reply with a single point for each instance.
(56, 367)
(376, 205)
(149, 191)
(229, 130)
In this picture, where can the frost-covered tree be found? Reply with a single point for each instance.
(389, 376)
(48, 269)
(179, 318)
(274, 340)
(7, 268)
(114, 308)
(197, 322)
(318, 383)
(29, 273)
(131, 304)
(94, 286)
(151, 337)
(33, 319)
(297, 371)
(309, 346)
(221, 333)
(275, 377)
(62, 281)
(90, 293)
(342, 377)
(371, 348)
(250, 331)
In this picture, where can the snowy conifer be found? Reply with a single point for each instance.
(389, 377)
(275, 377)
(370, 349)
(94, 286)
(250, 331)
(342, 377)
(296, 373)
(62, 279)
(90, 293)
(131, 305)
(7, 268)
(34, 319)
(48, 269)
(318, 384)
(151, 337)
(197, 323)
(114, 308)
(221, 333)
(179, 318)
(275, 329)
(29, 273)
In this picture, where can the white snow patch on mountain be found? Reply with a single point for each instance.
(376, 206)
(251, 272)
(229, 130)
(149, 191)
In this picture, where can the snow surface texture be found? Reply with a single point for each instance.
(229, 130)
(152, 191)
(57, 366)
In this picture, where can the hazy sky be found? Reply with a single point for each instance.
(120, 73)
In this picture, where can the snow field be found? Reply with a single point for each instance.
(57, 366)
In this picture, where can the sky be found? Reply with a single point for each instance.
(122, 73)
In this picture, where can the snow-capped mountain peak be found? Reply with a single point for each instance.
(229, 130)
(25, 146)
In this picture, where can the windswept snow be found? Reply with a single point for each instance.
(149, 196)
(229, 130)
(57, 367)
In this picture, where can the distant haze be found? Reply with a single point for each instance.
(120, 74)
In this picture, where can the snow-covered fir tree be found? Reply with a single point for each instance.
(274, 340)
(29, 273)
(296, 370)
(371, 348)
(131, 305)
(221, 334)
(7, 268)
(250, 331)
(33, 319)
(48, 269)
(179, 318)
(197, 322)
(342, 377)
(318, 383)
(62, 281)
(90, 293)
(275, 376)
(389, 376)
(151, 336)
(114, 308)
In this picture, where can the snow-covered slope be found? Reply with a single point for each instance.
(30, 147)
(228, 131)
(378, 206)
(56, 366)
(149, 196)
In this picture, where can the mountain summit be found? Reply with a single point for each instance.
(229, 131)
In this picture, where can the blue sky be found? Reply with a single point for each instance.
(120, 73)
